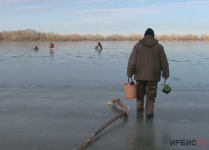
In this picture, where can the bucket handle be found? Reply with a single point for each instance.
(132, 82)
(163, 82)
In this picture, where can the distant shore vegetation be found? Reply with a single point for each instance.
(33, 35)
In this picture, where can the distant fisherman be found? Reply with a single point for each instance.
(35, 48)
(100, 45)
(51, 47)
(146, 62)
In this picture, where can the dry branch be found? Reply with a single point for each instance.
(124, 113)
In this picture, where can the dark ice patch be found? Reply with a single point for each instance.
(177, 79)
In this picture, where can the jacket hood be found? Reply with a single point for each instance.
(149, 41)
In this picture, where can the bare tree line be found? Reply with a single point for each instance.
(32, 35)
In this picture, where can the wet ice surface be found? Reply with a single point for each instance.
(50, 102)
(77, 65)
(38, 119)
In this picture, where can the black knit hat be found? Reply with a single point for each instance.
(149, 31)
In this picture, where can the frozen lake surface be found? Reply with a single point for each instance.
(77, 65)
(55, 102)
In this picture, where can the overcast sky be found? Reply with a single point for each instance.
(106, 16)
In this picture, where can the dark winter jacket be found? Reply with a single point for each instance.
(147, 60)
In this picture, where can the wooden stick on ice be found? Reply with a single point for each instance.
(124, 113)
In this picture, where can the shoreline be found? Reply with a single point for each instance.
(98, 40)
(33, 35)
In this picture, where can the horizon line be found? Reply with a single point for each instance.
(121, 34)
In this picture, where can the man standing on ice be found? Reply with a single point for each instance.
(146, 62)
(51, 47)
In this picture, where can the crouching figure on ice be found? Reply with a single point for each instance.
(146, 62)
(99, 46)
(35, 48)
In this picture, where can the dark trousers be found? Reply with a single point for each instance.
(148, 88)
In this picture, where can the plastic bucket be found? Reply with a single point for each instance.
(130, 90)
